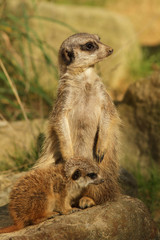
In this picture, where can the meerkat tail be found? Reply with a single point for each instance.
(9, 229)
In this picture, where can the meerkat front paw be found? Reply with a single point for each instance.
(86, 202)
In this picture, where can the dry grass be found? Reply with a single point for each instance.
(14, 89)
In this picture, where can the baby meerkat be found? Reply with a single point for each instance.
(84, 121)
(45, 192)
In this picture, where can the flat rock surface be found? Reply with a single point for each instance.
(17, 137)
(125, 219)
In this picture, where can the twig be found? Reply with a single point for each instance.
(14, 90)
(5, 120)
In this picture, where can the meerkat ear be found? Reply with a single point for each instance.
(67, 56)
(97, 37)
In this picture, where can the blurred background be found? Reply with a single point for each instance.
(31, 32)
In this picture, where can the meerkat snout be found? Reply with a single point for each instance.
(110, 51)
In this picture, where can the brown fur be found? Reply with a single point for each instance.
(84, 121)
(42, 193)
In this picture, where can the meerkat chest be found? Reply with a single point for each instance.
(87, 97)
(87, 91)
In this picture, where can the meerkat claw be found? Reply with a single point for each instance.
(75, 210)
(99, 157)
(54, 215)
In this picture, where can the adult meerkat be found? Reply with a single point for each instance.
(45, 192)
(84, 121)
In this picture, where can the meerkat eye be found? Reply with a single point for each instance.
(89, 46)
(76, 174)
(92, 175)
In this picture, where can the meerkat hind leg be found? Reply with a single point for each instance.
(86, 202)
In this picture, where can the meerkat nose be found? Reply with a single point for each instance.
(102, 180)
(110, 51)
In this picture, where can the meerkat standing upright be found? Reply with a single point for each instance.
(84, 121)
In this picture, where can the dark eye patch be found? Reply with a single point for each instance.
(89, 46)
(67, 56)
(92, 175)
(76, 174)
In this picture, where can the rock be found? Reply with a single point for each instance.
(51, 28)
(128, 183)
(145, 23)
(5, 219)
(140, 114)
(6, 182)
(125, 219)
(17, 137)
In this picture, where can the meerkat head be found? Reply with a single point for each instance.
(82, 50)
(83, 172)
